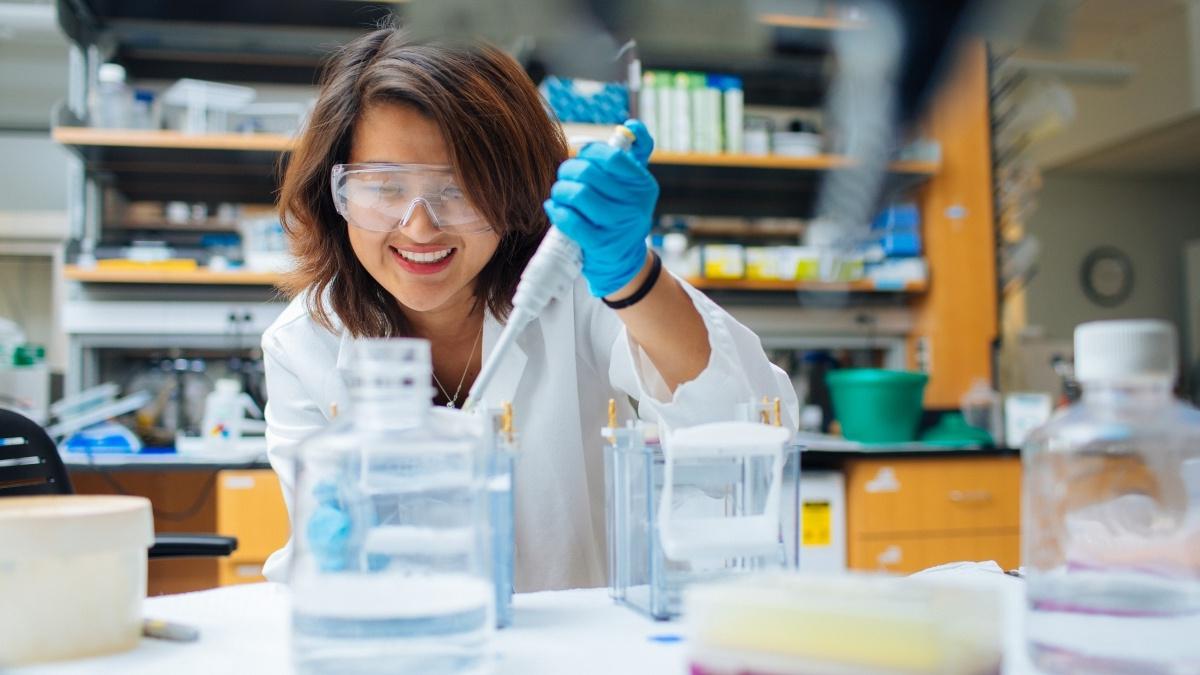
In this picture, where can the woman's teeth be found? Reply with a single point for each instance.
(429, 257)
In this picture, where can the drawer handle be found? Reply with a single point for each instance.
(892, 555)
(970, 496)
(884, 481)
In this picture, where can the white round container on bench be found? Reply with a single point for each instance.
(72, 576)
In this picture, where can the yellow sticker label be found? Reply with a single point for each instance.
(816, 524)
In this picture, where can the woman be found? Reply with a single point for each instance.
(441, 158)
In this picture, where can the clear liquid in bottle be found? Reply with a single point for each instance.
(1111, 532)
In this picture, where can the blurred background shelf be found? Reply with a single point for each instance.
(165, 165)
(816, 23)
(83, 137)
(153, 276)
(781, 286)
(88, 140)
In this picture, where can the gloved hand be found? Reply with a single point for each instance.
(336, 529)
(604, 200)
(329, 529)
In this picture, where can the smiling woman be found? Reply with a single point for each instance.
(424, 182)
(388, 100)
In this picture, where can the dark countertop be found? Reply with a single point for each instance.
(821, 458)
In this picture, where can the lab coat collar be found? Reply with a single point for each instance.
(503, 386)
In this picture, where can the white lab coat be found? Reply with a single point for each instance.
(559, 377)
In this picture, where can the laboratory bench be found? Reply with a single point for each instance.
(887, 508)
(245, 629)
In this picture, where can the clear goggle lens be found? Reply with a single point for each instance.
(384, 197)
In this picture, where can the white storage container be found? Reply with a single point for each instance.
(72, 576)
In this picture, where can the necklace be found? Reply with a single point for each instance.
(451, 400)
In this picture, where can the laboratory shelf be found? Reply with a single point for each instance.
(157, 165)
(782, 286)
(780, 162)
(169, 165)
(170, 140)
(815, 23)
(240, 41)
(87, 137)
(243, 278)
(251, 41)
(158, 276)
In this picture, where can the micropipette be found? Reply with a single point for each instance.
(550, 274)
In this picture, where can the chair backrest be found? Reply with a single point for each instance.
(29, 461)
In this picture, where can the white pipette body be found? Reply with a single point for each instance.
(550, 274)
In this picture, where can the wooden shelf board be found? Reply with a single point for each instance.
(775, 285)
(173, 140)
(782, 162)
(809, 22)
(156, 276)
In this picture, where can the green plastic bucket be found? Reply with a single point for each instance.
(877, 406)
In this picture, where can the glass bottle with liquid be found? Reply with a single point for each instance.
(392, 568)
(1111, 533)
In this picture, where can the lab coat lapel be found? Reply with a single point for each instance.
(337, 387)
(344, 349)
(504, 385)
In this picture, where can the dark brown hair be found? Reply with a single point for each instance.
(503, 144)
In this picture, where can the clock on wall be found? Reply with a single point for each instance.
(1107, 276)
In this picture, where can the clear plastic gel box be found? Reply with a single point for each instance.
(501, 457)
(709, 502)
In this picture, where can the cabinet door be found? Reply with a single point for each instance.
(912, 554)
(250, 507)
(231, 572)
(933, 496)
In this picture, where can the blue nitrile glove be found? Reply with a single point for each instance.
(333, 537)
(604, 200)
(329, 529)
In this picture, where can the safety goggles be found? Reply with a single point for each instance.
(383, 197)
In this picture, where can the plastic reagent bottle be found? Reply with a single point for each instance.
(224, 410)
(391, 570)
(1111, 531)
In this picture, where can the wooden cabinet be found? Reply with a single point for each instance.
(246, 504)
(906, 514)
(250, 507)
(957, 318)
(912, 554)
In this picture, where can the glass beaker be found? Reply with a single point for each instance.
(392, 569)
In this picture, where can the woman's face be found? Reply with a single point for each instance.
(424, 268)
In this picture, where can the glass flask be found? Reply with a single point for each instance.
(392, 569)
(1111, 532)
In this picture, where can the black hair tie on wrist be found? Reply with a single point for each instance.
(643, 290)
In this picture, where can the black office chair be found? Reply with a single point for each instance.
(30, 465)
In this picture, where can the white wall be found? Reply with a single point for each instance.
(33, 182)
(1163, 48)
(1149, 218)
(33, 176)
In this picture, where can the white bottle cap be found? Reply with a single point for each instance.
(1115, 350)
(111, 72)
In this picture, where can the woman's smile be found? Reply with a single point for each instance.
(423, 259)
